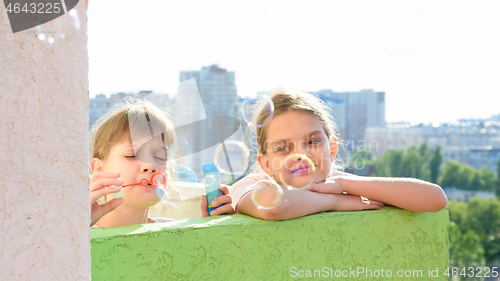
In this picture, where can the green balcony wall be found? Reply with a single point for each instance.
(239, 247)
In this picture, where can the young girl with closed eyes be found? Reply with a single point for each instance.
(128, 146)
(300, 138)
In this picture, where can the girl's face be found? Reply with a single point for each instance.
(133, 167)
(297, 132)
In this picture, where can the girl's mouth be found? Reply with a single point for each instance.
(302, 170)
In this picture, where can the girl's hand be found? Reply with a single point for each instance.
(224, 199)
(98, 181)
(329, 186)
(356, 203)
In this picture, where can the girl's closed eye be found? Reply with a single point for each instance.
(281, 149)
(316, 141)
(130, 154)
(160, 158)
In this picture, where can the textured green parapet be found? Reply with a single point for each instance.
(239, 247)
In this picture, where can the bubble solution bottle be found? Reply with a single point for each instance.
(211, 178)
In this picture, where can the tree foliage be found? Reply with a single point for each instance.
(435, 163)
(466, 177)
(479, 217)
(497, 186)
(465, 250)
(474, 230)
(415, 163)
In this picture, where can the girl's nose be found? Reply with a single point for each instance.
(148, 167)
(304, 150)
(153, 170)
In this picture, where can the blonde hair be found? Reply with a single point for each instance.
(285, 100)
(126, 119)
(116, 124)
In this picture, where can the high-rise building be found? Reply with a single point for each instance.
(97, 107)
(213, 94)
(354, 112)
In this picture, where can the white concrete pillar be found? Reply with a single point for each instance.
(44, 196)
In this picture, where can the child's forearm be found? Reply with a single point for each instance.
(296, 203)
(410, 194)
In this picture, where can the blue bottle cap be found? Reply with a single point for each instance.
(209, 168)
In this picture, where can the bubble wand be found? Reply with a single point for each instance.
(156, 180)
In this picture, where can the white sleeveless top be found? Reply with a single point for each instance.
(244, 185)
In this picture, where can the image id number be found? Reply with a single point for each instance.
(34, 8)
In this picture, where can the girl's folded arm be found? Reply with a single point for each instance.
(296, 203)
(410, 194)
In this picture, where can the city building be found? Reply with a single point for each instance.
(471, 142)
(355, 112)
(487, 156)
(203, 93)
(97, 107)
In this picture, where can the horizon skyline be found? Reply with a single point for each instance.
(170, 95)
(436, 61)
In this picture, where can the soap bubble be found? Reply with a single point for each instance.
(267, 194)
(250, 107)
(231, 157)
(166, 190)
(181, 152)
(60, 30)
(183, 174)
(297, 172)
(185, 181)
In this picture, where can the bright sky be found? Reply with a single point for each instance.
(437, 61)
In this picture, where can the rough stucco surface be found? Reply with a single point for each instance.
(240, 247)
(44, 196)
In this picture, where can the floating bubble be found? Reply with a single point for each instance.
(181, 152)
(170, 195)
(185, 180)
(183, 174)
(267, 194)
(250, 108)
(231, 157)
(60, 30)
(166, 190)
(182, 184)
(297, 172)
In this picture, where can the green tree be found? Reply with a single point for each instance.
(362, 153)
(466, 177)
(435, 163)
(458, 213)
(450, 174)
(424, 150)
(487, 179)
(476, 182)
(465, 250)
(390, 164)
(497, 187)
(483, 216)
(474, 232)
(414, 165)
